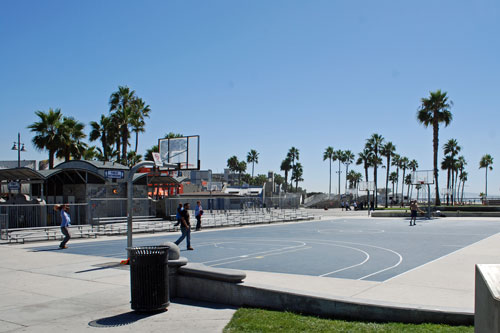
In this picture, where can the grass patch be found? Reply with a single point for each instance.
(257, 320)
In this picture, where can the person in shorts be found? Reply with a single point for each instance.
(414, 210)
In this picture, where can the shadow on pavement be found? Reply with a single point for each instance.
(122, 319)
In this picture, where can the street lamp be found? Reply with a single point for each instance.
(20, 148)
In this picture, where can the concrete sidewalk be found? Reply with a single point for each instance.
(54, 292)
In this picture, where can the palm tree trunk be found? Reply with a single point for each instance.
(403, 189)
(435, 142)
(51, 159)
(463, 185)
(253, 163)
(486, 186)
(448, 189)
(387, 182)
(330, 184)
(397, 183)
(339, 177)
(136, 141)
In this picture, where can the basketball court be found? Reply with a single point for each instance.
(370, 249)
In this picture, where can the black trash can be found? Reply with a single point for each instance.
(149, 277)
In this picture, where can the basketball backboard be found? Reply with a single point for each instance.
(184, 152)
(366, 186)
(422, 177)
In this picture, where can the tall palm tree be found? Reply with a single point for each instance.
(150, 151)
(433, 111)
(253, 157)
(448, 164)
(403, 165)
(47, 132)
(286, 166)
(365, 158)
(452, 148)
(338, 156)
(140, 111)
(297, 173)
(374, 143)
(293, 154)
(347, 159)
(413, 166)
(463, 179)
(121, 102)
(460, 167)
(387, 150)
(328, 155)
(396, 162)
(393, 177)
(486, 162)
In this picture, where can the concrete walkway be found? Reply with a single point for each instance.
(45, 291)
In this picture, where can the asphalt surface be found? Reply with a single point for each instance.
(356, 248)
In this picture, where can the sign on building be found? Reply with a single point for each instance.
(116, 174)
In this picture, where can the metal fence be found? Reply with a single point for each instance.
(117, 207)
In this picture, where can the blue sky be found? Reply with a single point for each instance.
(263, 75)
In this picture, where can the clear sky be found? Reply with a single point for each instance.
(263, 75)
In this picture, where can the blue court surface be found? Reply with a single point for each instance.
(373, 249)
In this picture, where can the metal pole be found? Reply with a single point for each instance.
(130, 191)
(429, 201)
(18, 150)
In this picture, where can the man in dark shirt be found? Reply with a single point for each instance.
(185, 227)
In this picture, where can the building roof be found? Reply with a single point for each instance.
(83, 164)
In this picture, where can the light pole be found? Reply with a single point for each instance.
(20, 148)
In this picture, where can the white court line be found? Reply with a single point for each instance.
(267, 255)
(349, 267)
(257, 253)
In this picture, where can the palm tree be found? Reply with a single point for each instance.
(374, 143)
(448, 164)
(354, 178)
(347, 158)
(365, 158)
(70, 136)
(393, 177)
(242, 167)
(403, 165)
(387, 150)
(413, 165)
(433, 111)
(141, 111)
(90, 154)
(452, 148)
(408, 182)
(293, 154)
(396, 162)
(463, 179)
(286, 166)
(47, 132)
(102, 130)
(486, 162)
(297, 173)
(253, 157)
(149, 153)
(122, 103)
(460, 166)
(328, 155)
(338, 155)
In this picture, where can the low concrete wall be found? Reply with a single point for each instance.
(243, 294)
(487, 299)
(442, 214)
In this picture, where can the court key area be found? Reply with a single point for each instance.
(373, 249)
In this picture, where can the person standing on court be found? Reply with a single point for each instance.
(198, 212)
(185, 227)
(65, 223)
(414, 209)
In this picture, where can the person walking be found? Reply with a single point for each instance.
(414, 209)
(178, 215)
(65, 223)
(198, 212)
(185, 228)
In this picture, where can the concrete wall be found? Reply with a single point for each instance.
(243, 294)
(487, 299)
